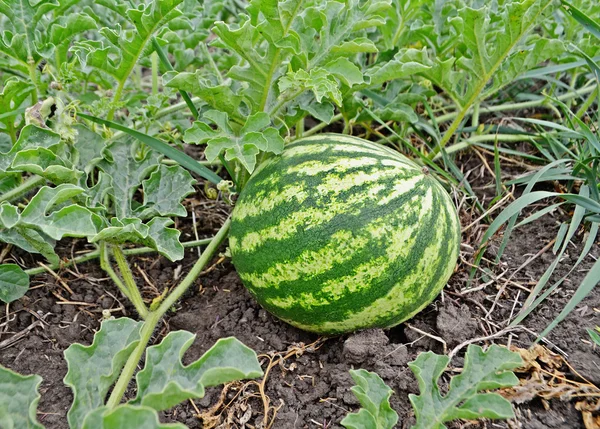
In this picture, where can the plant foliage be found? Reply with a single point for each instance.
(483, 370)
(162, 384)
(92, 132)
(374, 398)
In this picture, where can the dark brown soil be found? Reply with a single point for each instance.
(310, 389)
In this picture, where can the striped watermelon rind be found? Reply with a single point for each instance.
(338, 234)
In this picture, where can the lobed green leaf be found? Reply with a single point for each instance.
(94, 369)
(374, 398)
(126, 416)
(14, 282)
(483, 370)
(19, 398)
(165, 381)
(242, 144)
(119, 49)
(164, 190)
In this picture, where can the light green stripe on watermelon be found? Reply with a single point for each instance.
(268, 200)
(354, 151)
(342, 246)
(402, 293)
(339, 234)
(313, 216)
(399, 244)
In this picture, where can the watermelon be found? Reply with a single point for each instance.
(338, 234)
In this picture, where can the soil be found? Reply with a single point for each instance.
(310, 388)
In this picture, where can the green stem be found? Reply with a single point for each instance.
(588, 102)
(136, 77)
(300, 128)
(23, 188)
(211, 62)
(522, 105)
(154, 59)
(155, 316)
(475, 117)
(573, 81)
(116, 99)
(12, 132)
(242, 178)
(265, 95)
(95, 254)
(322, 125)
(174, 108)
(133, 360)
(282, 102)
(33, 76)
(107, 267)
(59, 57)
(134, 292)
(507, 138)
(191, 277)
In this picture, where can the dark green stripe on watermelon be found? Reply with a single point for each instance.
(300, 299)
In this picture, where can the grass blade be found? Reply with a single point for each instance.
(589, 24)
(165, 62)
(588, 246)
(549, 124)
(565, 239)
(553, 69)
(591, 280)
(160, 146)
(188, 100)
(538, 214)
(513, 219)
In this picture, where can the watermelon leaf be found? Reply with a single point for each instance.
(314, 46)
(93, 369)
(374, 397)
(164, 190)
(242, 145)
(51, 213)
(30, 240)
(216, 96)
(126, 416)
(32, 32)
(464, 74)
(14, 282)
(319, 81)
(165, 382)
(154, 234)
(41, 151)
(145, 20)
(126, 170)
(19, 398)
(12, 96)
(483, 370)
(31, 137)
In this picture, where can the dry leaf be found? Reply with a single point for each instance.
(541, 377)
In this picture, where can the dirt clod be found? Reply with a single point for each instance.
(455, 324)
(365, 346)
